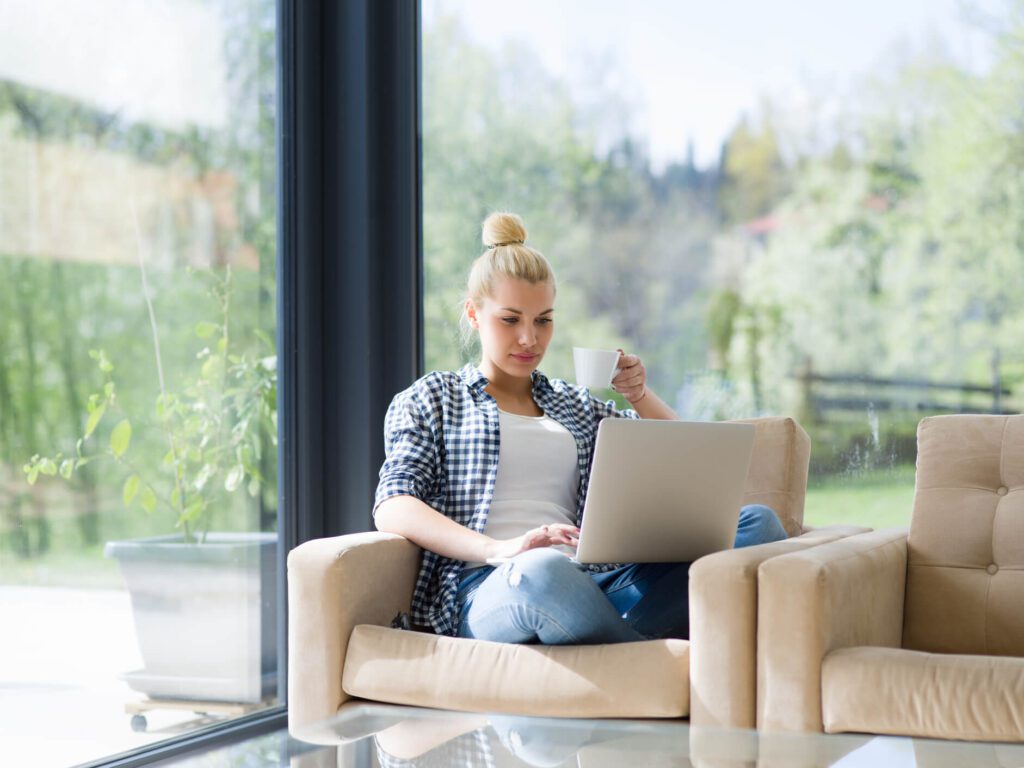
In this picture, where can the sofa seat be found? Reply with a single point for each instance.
(645, 679)
(913, 693)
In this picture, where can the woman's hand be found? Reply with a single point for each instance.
(544, 536)
(631, 380)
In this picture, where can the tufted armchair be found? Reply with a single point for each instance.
(919, 635)
(344, 592)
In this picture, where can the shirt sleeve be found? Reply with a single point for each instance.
(411, 451)
(604, 409)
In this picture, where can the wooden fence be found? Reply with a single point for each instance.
(848, 392)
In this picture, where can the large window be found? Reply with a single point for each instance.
(782, 208)
(137, 371)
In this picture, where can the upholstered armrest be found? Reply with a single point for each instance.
(723, 628)
(845, 593)
(333, 585)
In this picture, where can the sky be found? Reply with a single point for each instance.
(691, 68)
(155, 60)
(687, 69)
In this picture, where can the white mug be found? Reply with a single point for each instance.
(595, 368)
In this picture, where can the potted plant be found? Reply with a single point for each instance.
(203, 602)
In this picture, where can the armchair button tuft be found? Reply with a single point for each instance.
(992, 569)
(1001, 490)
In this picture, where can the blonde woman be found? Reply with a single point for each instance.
(486, 470)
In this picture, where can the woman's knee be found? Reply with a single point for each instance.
(539, 567)
(759, 525)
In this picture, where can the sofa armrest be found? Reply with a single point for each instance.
(333, 585)
(723, 628)
(845, 593)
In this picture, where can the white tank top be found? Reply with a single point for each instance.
(538, 475)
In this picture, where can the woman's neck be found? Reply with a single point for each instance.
(512, 393)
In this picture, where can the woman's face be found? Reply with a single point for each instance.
(515, 324)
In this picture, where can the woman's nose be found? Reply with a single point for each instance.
(527, 337)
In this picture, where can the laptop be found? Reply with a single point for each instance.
(664, 491)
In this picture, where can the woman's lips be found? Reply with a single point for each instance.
(525, 358)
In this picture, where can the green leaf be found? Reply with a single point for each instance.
(48, 467)
(234, 478)
(131, 488)
(33, 475)
(121, 437)
(206, 330)
(212, 368)
(94, 418)
(148, 499)
(66, 468)
(108, 389)
(254, 487)
(205, 473)
(193, 510)
(105, 365)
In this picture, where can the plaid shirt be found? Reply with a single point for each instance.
(441, 438)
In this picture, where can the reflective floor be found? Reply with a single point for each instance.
(367, 735)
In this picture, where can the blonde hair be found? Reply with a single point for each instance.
(507, 255)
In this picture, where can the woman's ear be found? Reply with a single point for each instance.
(471, 314)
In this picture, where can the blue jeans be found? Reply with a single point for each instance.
(542, 596)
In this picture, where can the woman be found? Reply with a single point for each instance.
(487, 471)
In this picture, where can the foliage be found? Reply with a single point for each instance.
(214, 428)
(56, 307)
(881, 236)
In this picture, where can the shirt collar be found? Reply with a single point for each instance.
(476, 381)
(473, 378)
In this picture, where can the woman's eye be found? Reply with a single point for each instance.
(509, 320)
(544, 321)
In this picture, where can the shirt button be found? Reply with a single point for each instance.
(1001, 490)
(992, 569)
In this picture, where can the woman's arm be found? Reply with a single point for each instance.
(631, 383)
(426, 527)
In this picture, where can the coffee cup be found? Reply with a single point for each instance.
(595, 368)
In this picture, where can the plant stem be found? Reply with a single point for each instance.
(159, 362)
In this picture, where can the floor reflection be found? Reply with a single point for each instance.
(384, 736)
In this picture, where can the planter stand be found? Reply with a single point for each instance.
(138, 709)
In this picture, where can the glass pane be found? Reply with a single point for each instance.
(137, 371)
(782, 210)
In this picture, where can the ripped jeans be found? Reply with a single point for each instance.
(542, 596)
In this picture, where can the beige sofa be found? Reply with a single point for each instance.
(919, 635)
(344, 591)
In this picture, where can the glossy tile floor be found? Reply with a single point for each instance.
(364, 736)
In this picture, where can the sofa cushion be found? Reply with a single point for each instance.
(778, 469)
(912, 693)
(646, 679)
(965, 575)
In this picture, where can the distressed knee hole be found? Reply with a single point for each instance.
(512, 574)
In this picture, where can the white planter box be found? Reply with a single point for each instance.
(205, 615)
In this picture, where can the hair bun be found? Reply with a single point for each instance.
(503, 229)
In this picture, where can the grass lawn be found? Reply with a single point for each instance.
(880, 499)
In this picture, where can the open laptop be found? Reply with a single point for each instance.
(664, 491)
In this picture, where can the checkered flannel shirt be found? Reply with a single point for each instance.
(441, 439)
